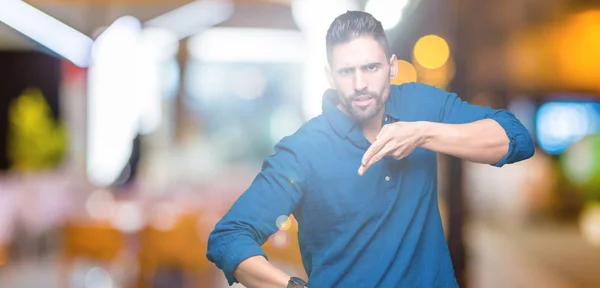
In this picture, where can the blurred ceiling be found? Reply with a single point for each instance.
(87, 16)
(487, 28)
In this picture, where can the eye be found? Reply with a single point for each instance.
(345, 71)
(372, 67)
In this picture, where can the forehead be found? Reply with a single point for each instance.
(359, 51)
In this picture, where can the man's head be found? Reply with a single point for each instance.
(360, 63)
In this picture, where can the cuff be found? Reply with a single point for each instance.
(520, 144)
(511, 148)
(236, 252)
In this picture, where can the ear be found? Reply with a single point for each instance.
(393, 66)
(329, 76)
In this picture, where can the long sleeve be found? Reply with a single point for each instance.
(457, 111)
(453, 110)
(252, 219)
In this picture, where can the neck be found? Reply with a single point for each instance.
(371, 127)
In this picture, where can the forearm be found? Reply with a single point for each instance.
(256, 272)
(483, 141)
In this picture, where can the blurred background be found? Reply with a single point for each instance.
(129, 127)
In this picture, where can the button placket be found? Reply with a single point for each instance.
(387, 176)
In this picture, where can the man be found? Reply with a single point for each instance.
(361, 179)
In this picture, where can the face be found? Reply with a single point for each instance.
(360, 71)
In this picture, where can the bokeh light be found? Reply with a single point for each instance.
(589, 223)
(98, 278)
(128, 217)
(581, 165)
(281, 239)
(100, 204)
(164, 216)
(556, 56)
(431, 51)
(560, 124)
(388, 12)
(573, 43)
(439, 77)
(284, 222)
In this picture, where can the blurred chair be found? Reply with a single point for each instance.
(181, 247)
(95, 241)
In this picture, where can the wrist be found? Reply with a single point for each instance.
(295, 282)
(425, 132)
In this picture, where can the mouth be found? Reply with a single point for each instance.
(362, 101)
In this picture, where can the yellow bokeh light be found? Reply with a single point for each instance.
(431, 51)
(406, 73)
(556, 56)
(439, 77)
(575, 44)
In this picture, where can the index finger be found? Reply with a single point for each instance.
(373, 151)
(379, 143)
(378, 156)
(375, 147)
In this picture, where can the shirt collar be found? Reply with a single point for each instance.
(342, 123)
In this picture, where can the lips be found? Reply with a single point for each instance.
(362, 101)
(362, 98)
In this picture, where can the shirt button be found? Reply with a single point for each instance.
(385, 119)
(387, 178)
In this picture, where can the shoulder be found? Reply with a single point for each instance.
(302, 149)
(308, 137)
(417, 101)
(414, 91)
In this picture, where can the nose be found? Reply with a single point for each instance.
(360, 82)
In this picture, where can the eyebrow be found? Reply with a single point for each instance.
(361, 66)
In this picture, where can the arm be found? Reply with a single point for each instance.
(482, 141)
(257, 272)
(476, 133)
(467, 131)
(234, 245)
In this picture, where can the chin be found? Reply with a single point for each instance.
(364, 115)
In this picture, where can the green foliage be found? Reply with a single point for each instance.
(35, 140)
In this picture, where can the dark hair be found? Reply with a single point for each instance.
(354, 24)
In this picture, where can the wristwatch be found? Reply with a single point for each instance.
(296, 282)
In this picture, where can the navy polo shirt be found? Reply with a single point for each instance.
(382, 229)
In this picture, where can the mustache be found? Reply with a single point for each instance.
(363, 94)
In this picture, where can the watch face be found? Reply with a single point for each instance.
(297, 282)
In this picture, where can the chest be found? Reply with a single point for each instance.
(336, 193)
